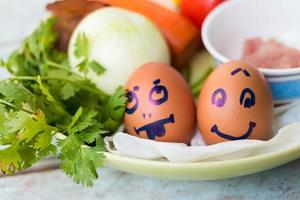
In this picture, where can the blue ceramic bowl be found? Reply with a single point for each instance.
(285, 89)
(228, 26)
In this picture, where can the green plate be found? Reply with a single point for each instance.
(210, 170)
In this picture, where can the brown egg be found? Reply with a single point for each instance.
(235, 103)
(160, 105)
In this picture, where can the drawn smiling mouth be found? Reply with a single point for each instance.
(215, 129)
(157, 128)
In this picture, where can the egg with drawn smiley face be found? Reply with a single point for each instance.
(235, 103)
(160, 105)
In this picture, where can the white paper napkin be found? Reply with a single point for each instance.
(286, 137)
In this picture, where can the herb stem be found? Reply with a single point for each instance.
(13, 106)
(33, 78)
(59, 66)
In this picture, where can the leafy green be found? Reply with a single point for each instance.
(5, 136)
(114, 110)
(10, 159)
(36, 51)
(82, 53)
(67, 91)
(2, 118)
(48, 109)
(44, 90)
(27, 143)
(16, 93)
(96, 67)
(80, 161)
(85, 120)
(82, 46)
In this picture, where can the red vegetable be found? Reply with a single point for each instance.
(182, 36)
(197, 10)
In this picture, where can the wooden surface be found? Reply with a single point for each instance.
(280, 183)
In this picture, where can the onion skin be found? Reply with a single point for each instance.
(120, 41)
(182, 36)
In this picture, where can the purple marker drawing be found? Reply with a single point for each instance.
(221, 100)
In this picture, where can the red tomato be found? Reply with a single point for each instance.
(197, 10)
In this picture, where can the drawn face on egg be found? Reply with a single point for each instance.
(235, 103)
(157, 96)
(246, 101)
(160, 105)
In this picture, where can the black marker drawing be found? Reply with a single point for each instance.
(214, 129)
(219, 97)
(158, 89)
(157, 128)
(237, 70)
(247, 102)
(132, 97)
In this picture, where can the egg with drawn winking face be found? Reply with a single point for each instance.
(160, 105)
(235, 103)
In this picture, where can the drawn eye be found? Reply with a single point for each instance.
(247, 98)
(158, 94)
(132, 101)
(219, 97)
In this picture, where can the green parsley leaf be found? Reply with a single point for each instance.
(36, 51)
(111, 125)
(6, 137)
(44, 90)
(96, 67)
(68, 91)
(75, 118)
(28, 126)
(16, 93)
(45, 100)
(10, 159)
(83, 66)
(32, 140)
(80, 161)
(116, 104)
(86, 119)
(114, 110)
(2, 120)
(81, 46)
(82, 52)
(43, 140)
(29, 155)
(92, 134)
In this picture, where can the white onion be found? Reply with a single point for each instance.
(120, 41)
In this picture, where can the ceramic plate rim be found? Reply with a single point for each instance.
(265, 156)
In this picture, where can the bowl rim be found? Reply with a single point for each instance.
(220, 57)
(294, 78)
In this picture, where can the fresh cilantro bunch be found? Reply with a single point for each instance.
(48, 109)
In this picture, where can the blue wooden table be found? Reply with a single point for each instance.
(280, 183)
